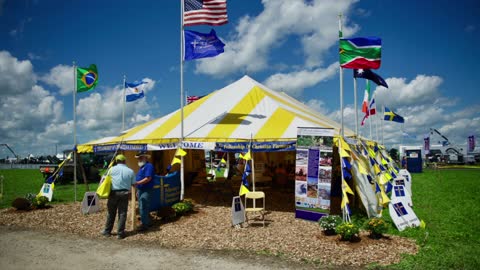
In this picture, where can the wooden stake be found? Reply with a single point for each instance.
(133, 207)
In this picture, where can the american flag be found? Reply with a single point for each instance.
(191, 99)
(211, 12)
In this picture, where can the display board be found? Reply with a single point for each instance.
(402, 214)
(90, 203)
(238, 211)
(47, 191)
(313, 172)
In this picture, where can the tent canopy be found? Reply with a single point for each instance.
(239, 112)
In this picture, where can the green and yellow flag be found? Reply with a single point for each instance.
(87, 78)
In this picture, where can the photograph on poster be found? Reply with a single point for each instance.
(324, 196)
(326, 158)
(301, 173)
(300, 189)
(320, 142)
(400, 182)
(325, 172)
(312, 191)
(400, 209)
(300, 201)
(302, 157)
(399, 191)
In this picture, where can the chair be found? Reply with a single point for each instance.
(254, 196)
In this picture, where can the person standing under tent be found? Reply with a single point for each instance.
(145, 189)
(122, 179)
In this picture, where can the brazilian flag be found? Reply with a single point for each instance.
(87, 78)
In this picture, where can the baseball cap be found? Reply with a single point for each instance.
(120, 157)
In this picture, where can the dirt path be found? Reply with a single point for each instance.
(25, 249)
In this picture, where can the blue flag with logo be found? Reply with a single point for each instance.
(199, 45)
(134, 91)
(370, 75)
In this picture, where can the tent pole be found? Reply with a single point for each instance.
(124, 102)
(341, 77)
(182, 175)
(355, 104)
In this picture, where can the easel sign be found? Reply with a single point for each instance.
(90, 203)
(238, 211)
(47, 191)
(402, 215)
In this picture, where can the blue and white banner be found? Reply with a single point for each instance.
(256, 146)
(134, 91)
(113, 147)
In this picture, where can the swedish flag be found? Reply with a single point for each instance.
(390, 115)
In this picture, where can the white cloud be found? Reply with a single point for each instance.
(248, 48)
(318, 105)
(401, 93)
(423, 107)
(60, 76)
(15, 76)
(293, 83)
(101, 113)
(33, 119)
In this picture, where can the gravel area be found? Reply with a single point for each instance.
(209, 228)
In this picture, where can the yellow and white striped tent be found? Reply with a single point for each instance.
(239, 112)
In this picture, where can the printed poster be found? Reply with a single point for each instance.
(313, 172)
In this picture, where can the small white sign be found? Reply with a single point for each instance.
(90, 203)
(238, 211)
(402, 214)
(47, 191)
(408, 180)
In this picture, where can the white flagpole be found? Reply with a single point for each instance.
(340, 34)
(383, 115)
(376, 119)
(124, 102)
(75, 130)
(355, 103)
(182, 186)
(370, 123)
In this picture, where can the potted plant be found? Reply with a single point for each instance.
(377, 227)
(348, 231)
(329, 223)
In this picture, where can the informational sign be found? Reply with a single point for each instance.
(256, 146)
(47, 191)
(313, 172)
(408, 179)
(166, 191)
(402, 215)
(238, 211)
(90, 203)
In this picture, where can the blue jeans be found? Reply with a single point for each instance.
(144, 198)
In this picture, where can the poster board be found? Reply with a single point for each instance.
(238, 211)
(402, 214)
(47, 191)
(90, 203)
(313, 172)
(408, 179)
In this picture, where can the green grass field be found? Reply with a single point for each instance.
(18, 182)
(447, 200)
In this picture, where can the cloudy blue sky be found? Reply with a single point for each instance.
(429, 59)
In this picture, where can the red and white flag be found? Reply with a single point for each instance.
(191, 99)
(210, 12)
